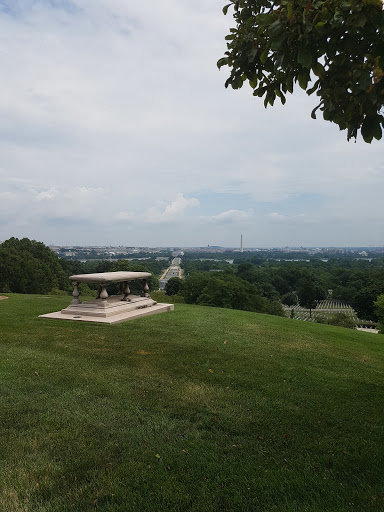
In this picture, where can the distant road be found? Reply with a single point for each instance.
(174, 270)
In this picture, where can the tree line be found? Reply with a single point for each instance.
(356, 282)
(28, 266)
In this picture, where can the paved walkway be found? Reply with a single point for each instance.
(367, 329)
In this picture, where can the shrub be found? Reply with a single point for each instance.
(56, 291)
(341, 320)
(160, 296)
(274, 307)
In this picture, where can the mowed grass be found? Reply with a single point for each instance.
(201, 409)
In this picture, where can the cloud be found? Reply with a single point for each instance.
(172, 211)
(47, 194)
(232, 216)
(78, 203)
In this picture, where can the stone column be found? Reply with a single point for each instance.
(127, 291)
(145, 289)
(104, 295)
(75, 294)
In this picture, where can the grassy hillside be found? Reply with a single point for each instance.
(200, 410)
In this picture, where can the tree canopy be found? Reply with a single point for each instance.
(28, 266)
(379, 310)
(307, 294)
(173, 286)
(332, 47)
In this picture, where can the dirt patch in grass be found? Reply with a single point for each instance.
(3, 297)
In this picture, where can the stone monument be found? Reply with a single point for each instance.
(110, 309)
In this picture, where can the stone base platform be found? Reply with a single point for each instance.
(111, 311)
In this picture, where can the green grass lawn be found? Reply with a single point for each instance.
(200, 409)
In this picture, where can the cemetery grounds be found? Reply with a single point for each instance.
(328, 308)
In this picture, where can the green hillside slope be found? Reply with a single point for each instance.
(200, 409)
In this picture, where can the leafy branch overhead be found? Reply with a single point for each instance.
(334, 48)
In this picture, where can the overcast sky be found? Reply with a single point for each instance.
(116, 129)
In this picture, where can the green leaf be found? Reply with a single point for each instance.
(222, 62)
(371, 128)
(264, 56)
(246, 14)
(263, 19)
(249, 23)
(237, 82)
(361, 20)
(327, 115)
(275, 28)
(260, 91)
(252, 54)
(313, 113)
(304, 56)
(278, 42)
(313, 88)
(289, 84)
(225, 8)
(364, 81)
(319, 70)
(303, 81)
(253, 82)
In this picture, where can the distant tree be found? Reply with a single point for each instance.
(226, 291)
(281, 284)
(193, 286)
(379, 310)
(260, 277)
(338, 44)
(363, 302)
(292, 273)
(173, 286)
(344, 293)
(218, 293)
(320, 292)
(248, 272)
(135, 285)
(307, 294)
(232, 292)
(28, 266)
(290, 299)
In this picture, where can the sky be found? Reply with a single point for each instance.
(116, 129)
